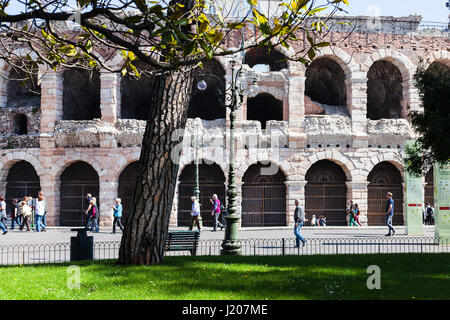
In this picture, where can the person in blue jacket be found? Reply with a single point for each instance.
(117, 209)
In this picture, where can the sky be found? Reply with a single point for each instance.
(430, 10)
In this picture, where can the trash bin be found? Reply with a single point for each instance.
(81, 246)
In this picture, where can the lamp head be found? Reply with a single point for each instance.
(201, 85)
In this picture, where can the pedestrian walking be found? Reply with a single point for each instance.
(429, 213)
(40, 211)
(3, 214)
(299, 218)
(195, 214)
(313, 220)
(25, 211)
(92, 213)
(216, 212)
(357, 214)
(349, 210)
(354, 219)
(15, 213)
(322, 221)
(117, 213)
(389, 214)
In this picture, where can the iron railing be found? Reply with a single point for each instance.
(60, 252)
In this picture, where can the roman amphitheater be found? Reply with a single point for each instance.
(335, 130)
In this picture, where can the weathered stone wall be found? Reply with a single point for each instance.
(294, 144)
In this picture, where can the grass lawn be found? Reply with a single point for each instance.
(403, 276)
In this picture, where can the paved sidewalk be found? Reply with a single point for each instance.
(63, 234)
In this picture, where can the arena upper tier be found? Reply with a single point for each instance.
(334, 129)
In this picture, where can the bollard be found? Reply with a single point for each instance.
(81, 246)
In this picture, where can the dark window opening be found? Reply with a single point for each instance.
(20, 124)
(384, 91)
(264, 107)
(204, 104)
(23, 89)
(325, 83)
(262, 55)
(81, 95)
(137, 94)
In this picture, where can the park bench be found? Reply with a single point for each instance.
(183, 240)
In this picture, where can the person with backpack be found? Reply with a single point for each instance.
(216, 212)
(429, 211)
(93, 215)
(354, 216)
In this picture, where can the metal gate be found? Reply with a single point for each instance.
(376, 215)
(207, 189)
(212, 181)
(77, 180)
(327, 199)
(73, 201)
(263, 205)
(384, 178)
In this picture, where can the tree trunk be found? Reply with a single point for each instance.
(143, 240)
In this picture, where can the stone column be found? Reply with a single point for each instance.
(50, 187)
(357, 106)
(357, 191)
(173, 222)
(108, 193)
(51, 106)
(294, 190)
(110, 108)
(110, 97)
(296, 101)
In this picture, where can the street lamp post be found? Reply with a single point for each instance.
(231, 98)
(196, 143)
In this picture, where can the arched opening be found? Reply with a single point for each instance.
(81, 95)
(326, 192)
(204, 104)
(264, 107)
(211, 180)
(127, 184)
(20, 124)
(136, 94)
(275, 60)
(325, 86)
(77, 180)
(263, 197)
(22, 180)
(23, 89)
(384, 178)
(384, 91)
(429, 187)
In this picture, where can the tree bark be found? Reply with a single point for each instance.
(143, 240)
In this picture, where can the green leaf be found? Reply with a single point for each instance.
(141, 5)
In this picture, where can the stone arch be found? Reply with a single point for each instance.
(326, 83)
(264, 107)
(283, 166)
(63, 163)
(185, 161)
(406, 68)
(442, 56)
(346, 164)
(384, 91)
(342, 58)
(13, 157)
(385, 157)
(261, 55)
